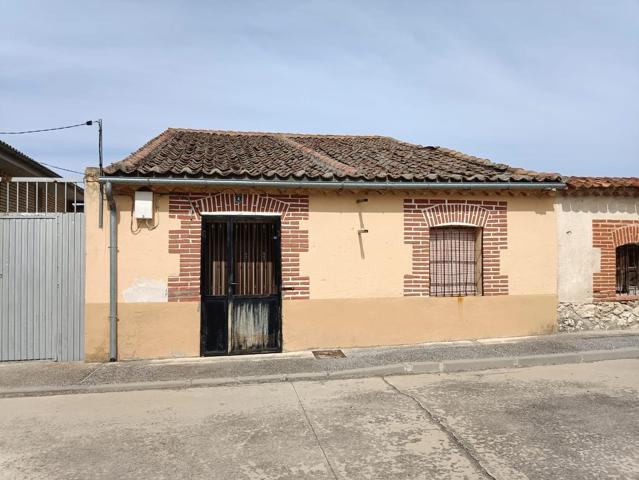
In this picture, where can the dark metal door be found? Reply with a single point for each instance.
(241, 279)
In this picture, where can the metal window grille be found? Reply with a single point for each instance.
(628, 269)
(253, 266)
(455, 261)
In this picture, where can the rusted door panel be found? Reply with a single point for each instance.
(254, 325)
(214, 327)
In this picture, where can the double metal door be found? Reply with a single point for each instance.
(241, 285)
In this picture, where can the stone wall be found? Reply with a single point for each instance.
(598, 316)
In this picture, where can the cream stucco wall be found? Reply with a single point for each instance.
(144, 262)
(345, 264)
(144, 266)
(356, 280)
(578, 259)
(530, 261)
(359, 322)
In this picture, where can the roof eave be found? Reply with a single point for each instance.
(27, 163)
(332, 184)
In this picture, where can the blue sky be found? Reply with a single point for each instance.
(546, 85)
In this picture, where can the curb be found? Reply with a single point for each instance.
(416, 368)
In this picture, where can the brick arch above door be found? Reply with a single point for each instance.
(186, 241)
(230, 202)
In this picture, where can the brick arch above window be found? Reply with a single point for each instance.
(625, 235)
(456, 214)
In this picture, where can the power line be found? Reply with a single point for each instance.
(90, 122)
(60, 168)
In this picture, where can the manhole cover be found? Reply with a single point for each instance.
(328, 354)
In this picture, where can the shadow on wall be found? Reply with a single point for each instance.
(599, 205)
(361, 205)
(542, 205)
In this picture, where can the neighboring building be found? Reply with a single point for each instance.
(598, 236)
(232, 242)
(14, 163)
(41, 261)
(29, 196)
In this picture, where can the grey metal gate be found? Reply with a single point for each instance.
(42, 264)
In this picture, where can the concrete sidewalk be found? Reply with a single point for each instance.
(50, 378)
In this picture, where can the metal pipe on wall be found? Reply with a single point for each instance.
(101, 208)
(113, 273)
(341, 184)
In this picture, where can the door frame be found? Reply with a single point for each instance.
(230, 219)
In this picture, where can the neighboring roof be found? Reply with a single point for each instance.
(602, 185)
(18, 164)
(253, 155)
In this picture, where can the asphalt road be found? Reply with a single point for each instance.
(565, 421)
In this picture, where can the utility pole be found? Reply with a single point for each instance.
(100, 143)
(100, 164)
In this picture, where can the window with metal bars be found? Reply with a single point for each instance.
(627, 263)
(455, 261)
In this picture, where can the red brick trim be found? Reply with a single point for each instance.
(186, 241)
(225, 202)
(456, 213)
(422, 214)
(624, 235)
(607, 235)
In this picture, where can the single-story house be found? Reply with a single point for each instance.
(598, 241)
(219, 243)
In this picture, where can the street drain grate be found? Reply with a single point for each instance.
(328, 354)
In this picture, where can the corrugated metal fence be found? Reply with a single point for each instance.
(42, 286)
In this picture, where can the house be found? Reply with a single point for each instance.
(32, 196)
(598, 241)
(230, 242)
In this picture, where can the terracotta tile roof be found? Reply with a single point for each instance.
(221, 154)
(603, 182)
(602, 185)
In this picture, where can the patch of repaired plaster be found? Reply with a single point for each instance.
(146, 290)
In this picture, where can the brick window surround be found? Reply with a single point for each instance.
(607, 235)
(186, 241)
(422, 214)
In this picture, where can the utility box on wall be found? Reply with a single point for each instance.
(143, 205)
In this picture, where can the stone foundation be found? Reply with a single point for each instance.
(598, 316)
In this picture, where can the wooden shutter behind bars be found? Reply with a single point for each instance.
(455, 261)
